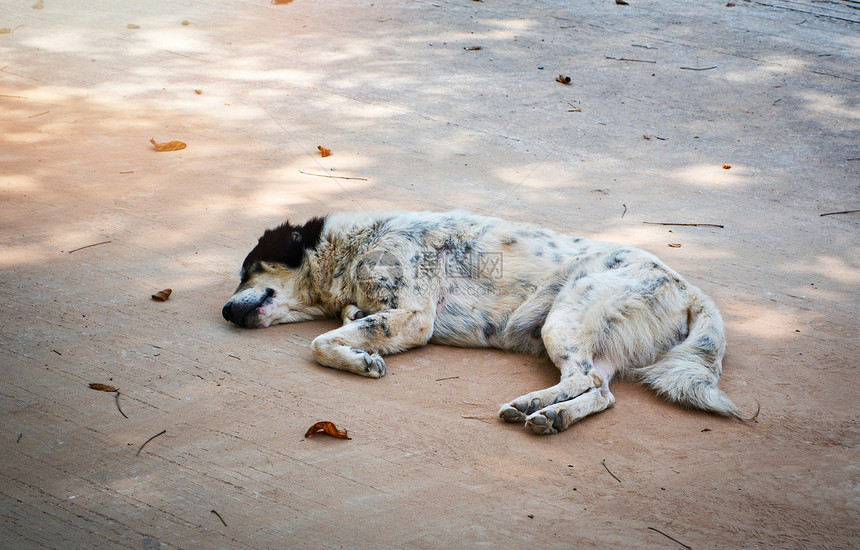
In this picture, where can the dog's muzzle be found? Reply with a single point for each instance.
(241, 308)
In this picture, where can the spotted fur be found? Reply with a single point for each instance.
(399, 280)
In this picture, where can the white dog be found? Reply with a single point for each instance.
(402, 279)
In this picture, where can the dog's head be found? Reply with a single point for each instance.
(269, 293)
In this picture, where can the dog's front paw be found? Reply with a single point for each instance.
(374, 365)
(351, 313)
(548, 421)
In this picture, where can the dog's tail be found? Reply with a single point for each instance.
(689, 372)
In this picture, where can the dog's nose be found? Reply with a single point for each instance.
(227, 311)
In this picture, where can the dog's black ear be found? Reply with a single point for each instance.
(286, 244)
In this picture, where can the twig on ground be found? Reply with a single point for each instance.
(671, 538)
(116, 398)
(88, 246)
(219, 517)
(625, 210)
(699, 68)
(840, 212)
(162, 432)
(447, 378)
(631, 60)
(688, 224)
(40, 114)
(332, 177)
(610, 472)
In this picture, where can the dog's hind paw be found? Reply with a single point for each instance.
(374, 365)
(509, 413)
(548, 421)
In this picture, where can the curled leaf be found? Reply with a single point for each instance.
(563, 79)
(103, 387)
(324, 151)
(169, 146)
(726, 166)
(162, 295)
(198, 92)
(329, 428)
(674, 245)
(473, 48)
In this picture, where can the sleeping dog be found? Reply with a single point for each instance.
(399, 280)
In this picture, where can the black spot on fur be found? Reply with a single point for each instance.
(374, 325)
(286, 244)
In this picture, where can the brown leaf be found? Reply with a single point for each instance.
(281, 1)
(563, 79)
(674, 245)
(185, 23)
(324, 151)
(329, 428)
(198, 92)
(133, 26)
(169, 146)
(102, 387)
(5, 30)
(473, 48)
(726, 166)
(162, 295)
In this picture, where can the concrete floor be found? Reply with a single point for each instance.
(663, 94)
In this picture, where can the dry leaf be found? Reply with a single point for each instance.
(103, 387)
(726, 166)
(674, 245)
(169, 146)
(324, 151)
(162, 295)
(198, 92)
(133, 26)
(185, 23)
(281, 1)
(563, 79)
(473, 48)
(327, 427)
(5, 30)
(621, 3)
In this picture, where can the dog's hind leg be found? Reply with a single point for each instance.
(584, 385)
(356, 346)
(574, 334)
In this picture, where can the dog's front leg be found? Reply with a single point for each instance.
(356, 346)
